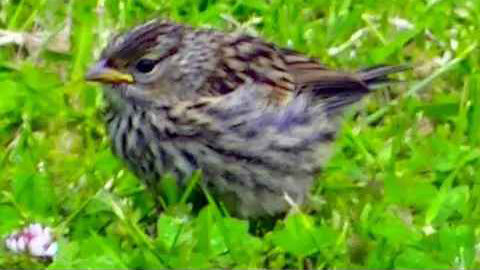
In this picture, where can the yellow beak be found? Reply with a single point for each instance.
(101, 73)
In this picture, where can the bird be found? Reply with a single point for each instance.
(257, 119)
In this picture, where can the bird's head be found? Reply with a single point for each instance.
(133, 64)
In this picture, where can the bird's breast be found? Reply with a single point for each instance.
(147, 143)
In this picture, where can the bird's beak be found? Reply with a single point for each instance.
(104, 74)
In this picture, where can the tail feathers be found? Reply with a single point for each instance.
(375, 77)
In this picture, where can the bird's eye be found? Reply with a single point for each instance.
(145, 65)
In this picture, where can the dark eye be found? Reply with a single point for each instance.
(145, 65)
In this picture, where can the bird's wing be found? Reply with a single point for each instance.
(286, 73)
(244, 59)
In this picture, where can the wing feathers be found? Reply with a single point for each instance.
(288, 73)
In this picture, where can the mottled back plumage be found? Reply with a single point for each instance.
(257, 119)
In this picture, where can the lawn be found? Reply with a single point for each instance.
(402, 189)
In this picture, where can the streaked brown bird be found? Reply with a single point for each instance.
(257, 119)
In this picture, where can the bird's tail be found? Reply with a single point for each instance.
(377, 77)
(373, 78)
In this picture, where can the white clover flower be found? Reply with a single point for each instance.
(36, 240)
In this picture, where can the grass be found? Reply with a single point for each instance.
(402, 189)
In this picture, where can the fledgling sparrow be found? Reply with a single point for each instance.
(258, 120)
